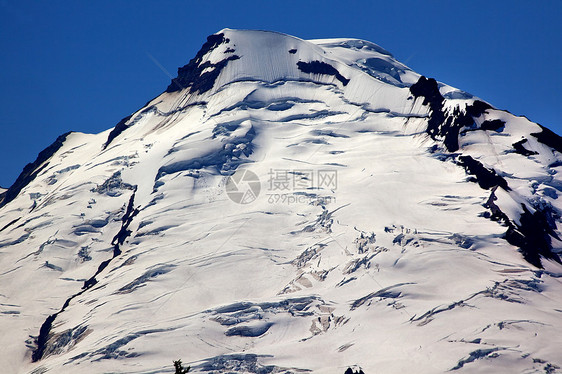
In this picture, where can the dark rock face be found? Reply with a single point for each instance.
(493, 125)
(9, 224)
(191, 75)
(446, 126)
(319, 67)
(478, 108)
(429, 90)
(30, 171)
(533, 233)
(42, 342)
(519, 148)
(535, 230)
(118, 129)
(118, 240)
(549, 138)
(486, 178)
(533, 236)
(439, 125)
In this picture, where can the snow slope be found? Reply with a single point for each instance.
(388, 222)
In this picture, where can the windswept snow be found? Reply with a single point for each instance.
(361, 238)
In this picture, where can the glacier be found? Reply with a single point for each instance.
(289, 206)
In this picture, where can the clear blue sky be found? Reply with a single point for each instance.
(82, 66)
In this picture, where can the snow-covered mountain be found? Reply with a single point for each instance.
(289, 206)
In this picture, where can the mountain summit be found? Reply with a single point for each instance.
(289, 206)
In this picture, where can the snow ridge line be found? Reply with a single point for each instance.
(533, 235)
(43, 338)
(31, 170)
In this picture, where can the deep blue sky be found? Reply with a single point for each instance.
(82, 66)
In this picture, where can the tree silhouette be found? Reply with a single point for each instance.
(179, 368)
(350, 371)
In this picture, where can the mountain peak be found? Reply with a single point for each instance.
(285, 206)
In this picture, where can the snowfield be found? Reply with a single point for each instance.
(289, 206)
